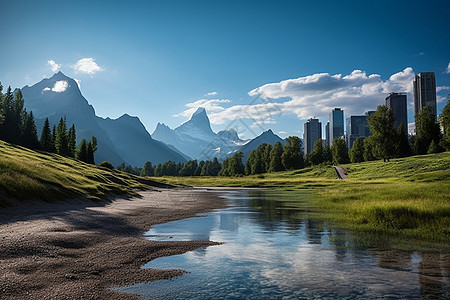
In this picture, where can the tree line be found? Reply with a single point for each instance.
(385, 143)
(18, 126)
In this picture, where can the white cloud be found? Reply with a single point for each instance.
(448, 68)
(87, 65)
(211, 105)
(58, 87)
(212, 94)
(282, 132)
(55, 67)
(412, 128)
(309, 96)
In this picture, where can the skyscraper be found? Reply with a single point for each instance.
(425, 92)
(327, 134)
(397, 102)
(312, 132)
(336, 129)
(357, 126)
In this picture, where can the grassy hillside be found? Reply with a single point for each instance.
(27, 174)
(407, 198)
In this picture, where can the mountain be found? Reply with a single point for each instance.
(122, 140)
(267, 137)
(196, 139)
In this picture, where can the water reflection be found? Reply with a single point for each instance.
(274, 250)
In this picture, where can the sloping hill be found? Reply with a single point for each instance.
(30, 175)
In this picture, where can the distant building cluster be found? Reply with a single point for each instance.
(358, 126)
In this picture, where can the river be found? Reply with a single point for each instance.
(271, 250)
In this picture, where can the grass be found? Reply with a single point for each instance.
(407, 199)
(28, 175)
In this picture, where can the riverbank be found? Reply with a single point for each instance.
(80, 249)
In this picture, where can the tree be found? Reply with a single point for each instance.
(61, 138)
(340, 152)
(233, 166)
(357, 151)
(71, 142)
(158, 170)
(46, 137)
(444, 119)
(198, 170)
(148, 169)
(90, 154)
(275, 158)
(82, 151)
(254, 163)
(29, 134)
(381, 124)
(189, 168)
(368, 149)
(434, 148)
(266, 157)
(427, 130)
(316, 156)
(327, 155)
(106, 164)
(292, 156)
(403, 147)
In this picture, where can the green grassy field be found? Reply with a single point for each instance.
(28, 175)
(407, 198)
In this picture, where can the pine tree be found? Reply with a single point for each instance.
(61, 138)
(82, 151)
(357, 151)
(71, 142)
(29, 135)
(275, 158)
(158, 170)
(198, 170)
(46, 137)
(54, 139)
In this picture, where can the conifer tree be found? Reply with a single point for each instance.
(71, 142)
(82, 151)
(61, 144)
(46, 137)
(29, 135)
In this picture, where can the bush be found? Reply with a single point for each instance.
(106, 164)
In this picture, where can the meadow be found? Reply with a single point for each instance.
(28, 175)
(406, 199)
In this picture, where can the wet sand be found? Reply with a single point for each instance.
(80, 249)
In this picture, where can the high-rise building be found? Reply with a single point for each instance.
(397, 102)
(425, 92)
(357, 126)
(336, 129)
(312, 132)
(327, 134)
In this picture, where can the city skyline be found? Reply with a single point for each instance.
(272, 65)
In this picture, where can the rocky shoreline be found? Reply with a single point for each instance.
(80, 249)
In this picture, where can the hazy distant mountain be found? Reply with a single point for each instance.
(196, 139)
(121, 140)
(267, 137)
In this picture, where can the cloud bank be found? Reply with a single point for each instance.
(58, 87)
(87, 66)
(309, 96)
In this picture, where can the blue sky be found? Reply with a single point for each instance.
(266, 64)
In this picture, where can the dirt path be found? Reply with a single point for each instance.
(340, 172)
(78, 250)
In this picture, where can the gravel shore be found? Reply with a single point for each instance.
(80, 249)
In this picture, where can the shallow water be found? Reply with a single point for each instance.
(273, 251)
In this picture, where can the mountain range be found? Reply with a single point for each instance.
(122, 140)
(125, 139)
